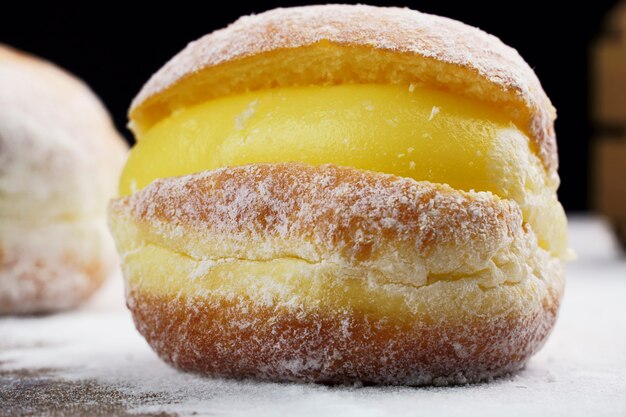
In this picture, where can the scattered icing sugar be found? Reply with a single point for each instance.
(433, 112)
(242, 118)
(202, 269)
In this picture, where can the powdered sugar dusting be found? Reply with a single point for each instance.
(433, 112)
(242, 119)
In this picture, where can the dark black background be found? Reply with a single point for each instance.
(115, 48)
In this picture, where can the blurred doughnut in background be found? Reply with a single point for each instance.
(60, 158)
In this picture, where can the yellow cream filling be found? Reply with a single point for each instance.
(296, 284)
(411, 131)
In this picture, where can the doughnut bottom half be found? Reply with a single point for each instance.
(235, 338)
(287, 272)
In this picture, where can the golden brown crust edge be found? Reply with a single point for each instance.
(390, 44)
(207, 336)
(478, 296)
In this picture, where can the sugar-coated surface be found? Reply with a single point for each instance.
(65, 362)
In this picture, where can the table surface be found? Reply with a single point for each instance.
(92, 362)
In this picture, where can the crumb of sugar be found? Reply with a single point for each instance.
(242, 118)
(433, 112)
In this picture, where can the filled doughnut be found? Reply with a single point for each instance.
(343, 193)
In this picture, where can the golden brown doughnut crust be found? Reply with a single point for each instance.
(334, 44)
(334, 347)
(451, 286)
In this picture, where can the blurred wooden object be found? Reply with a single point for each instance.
(609, 113)
(609, 68)
(610, 182)
(610, 84)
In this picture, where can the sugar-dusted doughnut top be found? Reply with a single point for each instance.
(339, 44)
